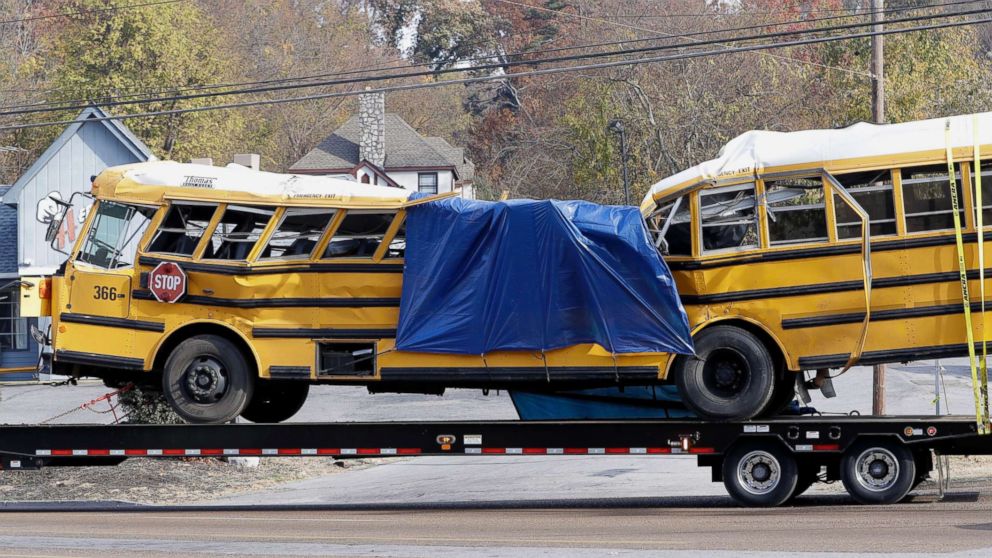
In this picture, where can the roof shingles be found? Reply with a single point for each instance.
(405, 147)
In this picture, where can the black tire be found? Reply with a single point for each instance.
(732, 376)
(878, 471)
(207, 380)
(784, 393)
(760, 474)
(275, 400)
(808, 475)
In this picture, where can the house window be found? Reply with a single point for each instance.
(13, 328)
(427, 182)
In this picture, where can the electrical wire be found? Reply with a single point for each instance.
(93, 11)
(62, 105)
(493, 66)
(363, 69)
(546, 71)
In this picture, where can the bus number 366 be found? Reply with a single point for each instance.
(105, 293)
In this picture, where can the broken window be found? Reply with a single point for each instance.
(873, 191)
(728, 218)
(671, 227)
(297, 233)
(359, 234)
(926, 194)
(797, 211)
(237, 232)
(182, 228)
(986, 193)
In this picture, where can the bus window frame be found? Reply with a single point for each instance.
(85, 230)
(156, 223)
(380, 251)
(255, 249)
(829, 215)
(281, 213)
(741, 185)
(962, 176)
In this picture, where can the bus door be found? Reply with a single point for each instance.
(102, 273)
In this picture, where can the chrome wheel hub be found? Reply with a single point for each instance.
(759, 472)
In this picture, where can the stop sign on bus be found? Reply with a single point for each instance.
(167, 282)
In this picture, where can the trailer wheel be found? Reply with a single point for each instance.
(276, 401)
(760, 475)
(733, 377)
(207, 380)
(808, 475)
(878, 471)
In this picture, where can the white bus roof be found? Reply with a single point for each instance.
(139, 178)
(751, 153)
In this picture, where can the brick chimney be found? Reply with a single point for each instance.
(371, 122)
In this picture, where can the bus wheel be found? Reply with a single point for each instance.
(731, 378)
(207, 380)
(878, 471)
(760, 475)
(276, 401)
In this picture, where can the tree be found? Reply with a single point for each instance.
(161, 49)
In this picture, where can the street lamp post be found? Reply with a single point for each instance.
(616, 126)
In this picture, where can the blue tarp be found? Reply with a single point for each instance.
(535, 275)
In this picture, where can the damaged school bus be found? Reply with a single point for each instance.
(235, 290)
(778, 275)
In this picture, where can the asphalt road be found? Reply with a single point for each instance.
(960, 525)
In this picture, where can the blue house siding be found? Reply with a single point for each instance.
(83, 150)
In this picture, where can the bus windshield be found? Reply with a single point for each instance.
(112, 239)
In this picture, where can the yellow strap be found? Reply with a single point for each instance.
(980, 228)
(963, 274)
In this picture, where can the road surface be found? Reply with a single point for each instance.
(961, 525)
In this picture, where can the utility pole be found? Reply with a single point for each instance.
(878, 116)
(616, 126)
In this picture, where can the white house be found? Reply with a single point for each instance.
(376, 147)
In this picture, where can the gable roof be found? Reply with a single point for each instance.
(405, 147)
(115, 127)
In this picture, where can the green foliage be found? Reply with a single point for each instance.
(144, 50)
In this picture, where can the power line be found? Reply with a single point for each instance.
(93, 11)
(546, 71)
(656, 32)
(62, 105)
(492, 66)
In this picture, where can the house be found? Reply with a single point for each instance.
(83, 150)
(377, 147)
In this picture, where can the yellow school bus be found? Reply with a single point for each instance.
(765, 243)
(235, 290)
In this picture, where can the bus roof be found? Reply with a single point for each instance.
(756, 152)
(154, 182)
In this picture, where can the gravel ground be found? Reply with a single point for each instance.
(165, 481)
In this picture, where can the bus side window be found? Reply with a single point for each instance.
(986, 193)
(297, 233)
(926, 194)
(729, 218)
(182, 228)
(671, 227)
(397, 246)
(237, 232)
(873, 190)
(797, 211)
(359, 234)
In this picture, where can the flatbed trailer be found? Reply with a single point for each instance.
(761, 463)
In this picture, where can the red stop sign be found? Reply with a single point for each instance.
(167, 282)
